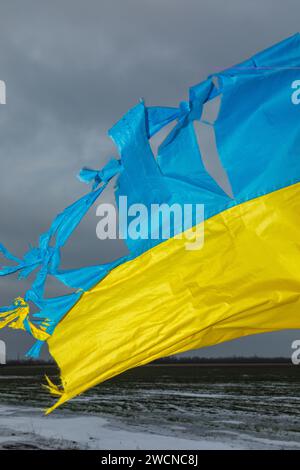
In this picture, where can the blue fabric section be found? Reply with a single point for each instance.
(52, 310)
(141, 180)
(257, 130)
(158, 117)
(257, 135)
(88, 175)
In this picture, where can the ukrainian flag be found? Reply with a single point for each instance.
(163, 299)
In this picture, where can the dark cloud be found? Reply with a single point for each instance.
(72, 68)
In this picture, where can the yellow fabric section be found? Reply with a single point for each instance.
(245, 280)
(16, 318)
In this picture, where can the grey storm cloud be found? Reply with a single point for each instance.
(72, 68)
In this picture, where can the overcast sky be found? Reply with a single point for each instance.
(72, 68)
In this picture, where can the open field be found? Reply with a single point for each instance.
(158, 407)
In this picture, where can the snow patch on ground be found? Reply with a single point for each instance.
(28, 427)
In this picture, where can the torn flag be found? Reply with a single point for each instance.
(162, 299)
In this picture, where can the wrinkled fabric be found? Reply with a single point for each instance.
(170, 300)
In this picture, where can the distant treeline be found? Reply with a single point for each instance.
(30, 362)
(223, 360)
(178, 360)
